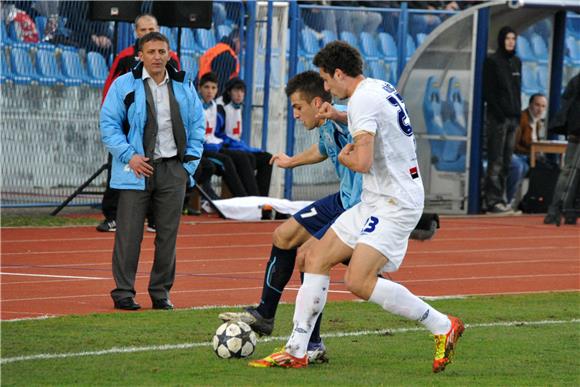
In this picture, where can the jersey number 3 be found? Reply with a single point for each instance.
(404, 123)
(370, 225)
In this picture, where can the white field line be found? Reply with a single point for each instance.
(450, 251)
(264, 259)
(53, 276)
(182, 236)
(171, 347)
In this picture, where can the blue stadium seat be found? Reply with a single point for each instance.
(524, 49)
(171, 35)
(377, 70)
(420, 38)
(47, 68)
(350, 38)
(388, 46)
(5, 74)
(4, 37)
(188, 45)
(410, 46)
(40, 22)
(205, 38)
(327, 37)
(308, 43)
(543, 78)
(456, 107)
(97, 67)
(529, 78)
(72, 68)
(539, 48)
(572, 47)
(21, 64)
(445, 155)
(223, 30)
(369, 46)
(189, 64)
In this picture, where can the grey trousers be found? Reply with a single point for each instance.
(165, 190)
(500, 147)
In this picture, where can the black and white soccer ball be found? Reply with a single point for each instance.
(234, 339)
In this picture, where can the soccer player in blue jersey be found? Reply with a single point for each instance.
(311, 105)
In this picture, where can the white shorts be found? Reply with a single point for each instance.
(386, 228)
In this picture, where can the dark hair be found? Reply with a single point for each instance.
(152, 36)
(234, 83)
(208, 77)
(533, 96)
(310, 84)
(339, 55)
(139, 17)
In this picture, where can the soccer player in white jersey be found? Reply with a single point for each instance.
(376, 231)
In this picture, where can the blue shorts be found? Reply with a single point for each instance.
(319, 216)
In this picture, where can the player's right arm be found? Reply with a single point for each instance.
(358, 157)
(311, 155)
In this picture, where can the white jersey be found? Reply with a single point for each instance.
(376, 107)
(210, 124)
(233, 125)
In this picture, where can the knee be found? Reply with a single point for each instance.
(282, 239)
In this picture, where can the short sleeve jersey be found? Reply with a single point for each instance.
(333, 137)
(377, 108)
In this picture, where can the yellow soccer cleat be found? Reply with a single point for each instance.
(445, 344)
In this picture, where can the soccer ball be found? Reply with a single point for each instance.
(234, 339)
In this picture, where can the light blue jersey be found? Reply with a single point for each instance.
(333, 137)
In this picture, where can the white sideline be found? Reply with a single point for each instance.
(168, 347)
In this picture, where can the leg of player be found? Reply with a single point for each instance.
(287, 237)
(316, 348)
(310, 301)
(362, 281)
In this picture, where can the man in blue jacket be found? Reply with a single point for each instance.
(152, 123)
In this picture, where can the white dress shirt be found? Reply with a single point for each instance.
(165, 142)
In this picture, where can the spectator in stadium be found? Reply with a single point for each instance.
(152, 123)
(531, 128)
(122, 64)
(222, 59)
(567, 122)
(233, 167)
(501, 91)
(234, 146)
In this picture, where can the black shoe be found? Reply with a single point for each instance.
(191, 211)
(570, 220)
(107, 225)
(127, 304)
(551, 219)
(163, 303)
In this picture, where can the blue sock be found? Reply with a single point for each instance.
(278, 273)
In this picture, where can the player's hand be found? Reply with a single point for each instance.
(345, 152)
(281, 160)
(329, 112)
(140, 167)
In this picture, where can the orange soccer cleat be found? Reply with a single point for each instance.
(445, 344)
(280, 359)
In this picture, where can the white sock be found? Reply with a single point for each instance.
(310, 302)
(397, 299)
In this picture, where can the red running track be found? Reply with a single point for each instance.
(58, 271)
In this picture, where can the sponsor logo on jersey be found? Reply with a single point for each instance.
(414, 172)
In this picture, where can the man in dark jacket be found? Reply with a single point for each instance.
(501, 91)
(567, 121)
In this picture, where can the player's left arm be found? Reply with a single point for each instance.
(358, 156)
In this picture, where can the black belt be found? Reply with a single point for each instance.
(164, 159)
